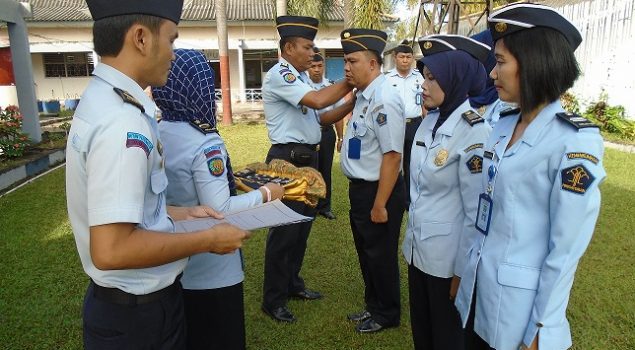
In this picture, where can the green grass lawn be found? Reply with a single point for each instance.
(42, 282)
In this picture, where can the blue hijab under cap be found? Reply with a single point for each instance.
(459, 74)
(189, 92)
(490, 94)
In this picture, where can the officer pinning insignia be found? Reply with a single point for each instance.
(576, 179)
(509, 111)
(473, 147)
(475, 164)
(135, 139)
(216, 166)
(212, 151)
(205, 128)
(576, 121)
(582, 155)
(472, 118)
(442, 157)
(127, 98)
(382, 119)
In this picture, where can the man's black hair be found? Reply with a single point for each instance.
(109, 32)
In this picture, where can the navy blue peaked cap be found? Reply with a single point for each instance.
(520, 16)
(170, 10)
(297, 26)
(358, 39)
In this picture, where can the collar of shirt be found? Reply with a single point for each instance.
(117, 79)
(394, 73)
(542, 119)
(369, 91)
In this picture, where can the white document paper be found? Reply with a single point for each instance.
(270, 214)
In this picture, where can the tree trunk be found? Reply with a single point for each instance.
(223, 50)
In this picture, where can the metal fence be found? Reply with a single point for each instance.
(251, 95)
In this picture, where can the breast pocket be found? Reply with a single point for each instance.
(518, 276)
(433, 229)
(154, 199)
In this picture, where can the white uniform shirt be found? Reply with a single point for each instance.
(409, 88)
(114, 174)
(196, 165)
(378, 122)
(444, 188)
(545, 204)
(287, 120)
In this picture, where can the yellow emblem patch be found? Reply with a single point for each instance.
(500, 27)
(427, 45)
(441, 158)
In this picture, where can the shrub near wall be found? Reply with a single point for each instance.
(611, 119)
(13, 141)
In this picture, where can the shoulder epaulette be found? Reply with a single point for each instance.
(472, 118)
(205, 128)
(577, 121)
(283, 64)
(127, 98)
(509, 111)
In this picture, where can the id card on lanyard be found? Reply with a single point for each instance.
(485, 203)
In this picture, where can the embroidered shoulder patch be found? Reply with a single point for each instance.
(577, 121)
(475, 164)
(135, 139)
(127, 98)
(216, 166)
(289, 77)
(473, 147)
(582, 155)
(472, 118)
(377, 108)
(509, 111)
(382, 119)
(576, 179)
(212, 151)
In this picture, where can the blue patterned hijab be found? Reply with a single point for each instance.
(189, 92)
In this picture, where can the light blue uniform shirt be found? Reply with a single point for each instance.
(288, 121)
(196, 166)
(114, 174)
(409, 88)
(444, 188)
(492, 111)
(377, 120)
(546, 202)
(321, 85)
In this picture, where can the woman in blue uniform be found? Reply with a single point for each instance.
(540, 197)
(199, 171)
(445, 168)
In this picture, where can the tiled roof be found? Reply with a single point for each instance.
(193, 10)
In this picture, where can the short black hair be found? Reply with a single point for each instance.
(109, 32)
(547, 67)
(377, 57)
(285, 40)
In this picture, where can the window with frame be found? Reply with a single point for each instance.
(68, 64)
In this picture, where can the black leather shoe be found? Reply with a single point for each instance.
(369, 326)
(307, 294)
(328, 214)
(280, 314)
(359, 316)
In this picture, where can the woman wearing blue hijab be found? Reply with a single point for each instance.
(445, 169)
(199, 171)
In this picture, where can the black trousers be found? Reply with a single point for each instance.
(411, 129)
(377, 246)
(155, 325)
(215, 318)
(473, 341)
(435, 321)
(286, 245)
(325, 164)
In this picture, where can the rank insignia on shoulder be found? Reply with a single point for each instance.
(382, 119)
(582, 155)
(472, 118)
(127, 98)
(576, 179)
(473, 147)
(285, 65)
(135, 139)
(216, 166)
(509, 111)
(577, 121)
(475, 164)
(205, 128)
(289, 77)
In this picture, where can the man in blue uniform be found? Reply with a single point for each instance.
(116, 183)
(328, 141)
(290, 106)
(407, 83)
(371, 159)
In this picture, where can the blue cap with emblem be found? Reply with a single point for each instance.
(516, 17)
(297, 26)
(447, 42)
(170, 10)
(358, 39)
